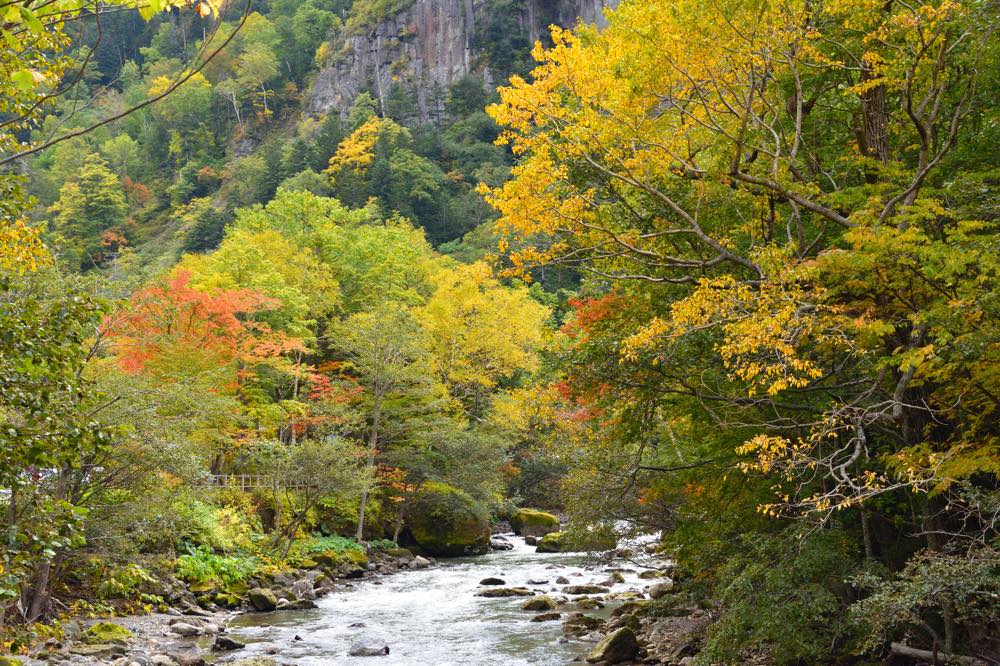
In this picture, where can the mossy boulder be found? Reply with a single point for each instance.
(559, 542)
(531, 522)
(542, 602)
(446, 522)
(10, 661)
(618, 646)
(105, 632)
(263, 599)
(356, 557)
(553, 542)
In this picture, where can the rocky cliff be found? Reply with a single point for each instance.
(423, 49)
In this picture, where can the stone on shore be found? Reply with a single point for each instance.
(262, 599)
(618, 646)
(105, 632)
(661, 589)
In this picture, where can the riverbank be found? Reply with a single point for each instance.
(191, 627)
(516, 607)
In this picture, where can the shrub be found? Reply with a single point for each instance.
(201, 565)
(785, 595)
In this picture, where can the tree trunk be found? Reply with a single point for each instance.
(372, 442)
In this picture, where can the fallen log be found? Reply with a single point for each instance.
(930, 657)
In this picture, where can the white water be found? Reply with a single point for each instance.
(432, 617)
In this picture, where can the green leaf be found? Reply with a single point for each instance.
(23, 79)
(34, 25)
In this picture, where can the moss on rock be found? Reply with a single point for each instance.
(447, 522)
(105, 632)
(554, 542)
(10, 661)
(531, 522)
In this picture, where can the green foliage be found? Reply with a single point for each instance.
(365, 14)
(930, 585)
(786, 594)
(201, 565)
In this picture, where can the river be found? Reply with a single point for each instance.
(432, 617)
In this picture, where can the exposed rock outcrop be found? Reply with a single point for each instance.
(427, 47)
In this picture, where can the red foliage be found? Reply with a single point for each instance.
(136, 193)
(174, 319)
(590, 312)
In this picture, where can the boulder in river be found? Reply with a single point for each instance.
(578, 624)
(585, 589)
(530, 541)
(448, 522)
(531, 522)
(618, 646)
(492, 581)
(505, 592)
(550, 543)
(369, 647)
(649, 574)
(546, 617)
(226, 644)
(542, 602)
(500, 544)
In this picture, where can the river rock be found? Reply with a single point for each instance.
(263, 599)
(304, 589)
(184, 629)
(105, 632)
(162, 660)
(614, 579)
(497, 544)
(531, 522)
(505, 592)
(98, 650)
(419, 562)
(627, 595)
(447, 522)
(588, 603)
(578, 624)
(546, 617)
(226, 644)
(540, 603)
(649, 574)
(369, 647)
(562, 580)
(493, 581)
(530, 541)
(537, 581)
(585, 589)
(618, 646)
(661, 589)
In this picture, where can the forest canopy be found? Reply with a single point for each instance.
(723, 273)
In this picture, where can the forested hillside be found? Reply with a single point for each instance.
(294, 291)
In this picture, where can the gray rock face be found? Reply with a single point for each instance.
(427, 47)
(369, 647)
